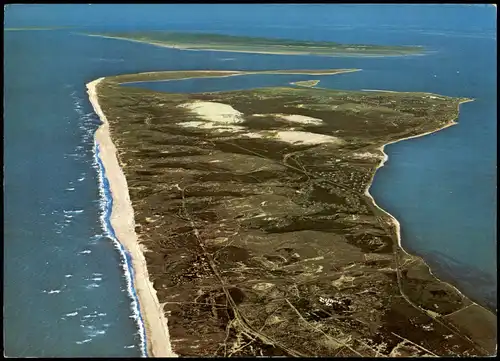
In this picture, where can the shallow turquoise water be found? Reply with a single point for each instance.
(58, 260)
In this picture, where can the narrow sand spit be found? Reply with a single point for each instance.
(378, 90)
(214, 112)
(122, 220)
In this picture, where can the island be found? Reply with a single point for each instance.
(245, 44)
(252, 230)
(306, 83)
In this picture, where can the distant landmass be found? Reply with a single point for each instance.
(35, 28)
(245, 44)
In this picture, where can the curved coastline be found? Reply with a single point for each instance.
(482, 313)
(393, 219)
(119, 217)
(128, 239)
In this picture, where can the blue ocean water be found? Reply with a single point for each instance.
(65, 290)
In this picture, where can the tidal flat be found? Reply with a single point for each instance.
(260, 235)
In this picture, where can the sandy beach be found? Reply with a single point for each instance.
(122, 220)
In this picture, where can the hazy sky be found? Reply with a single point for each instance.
(469, 17)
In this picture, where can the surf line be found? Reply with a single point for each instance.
(106, 208)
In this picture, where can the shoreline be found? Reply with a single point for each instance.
(231, 73)
(155, 324)
(379, 90)
(396, 223)
(106, 207)
(157, 338)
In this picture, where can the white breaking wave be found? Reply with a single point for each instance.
(95, 314)
(68, 215)
(92, 331)
(74, 211)
(84, 341)
(110, 234)
(108, 60)
(71, 314)
(52, 291)
(74, 155)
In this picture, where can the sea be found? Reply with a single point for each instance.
(67, 284)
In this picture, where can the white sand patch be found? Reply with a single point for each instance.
(231, 129)
(295, 137)
(343, 280)
(262, 286)
(253, 135)
(213, 126)
(302, 119)
(295, 118)
(214, 112)
(194, 124)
